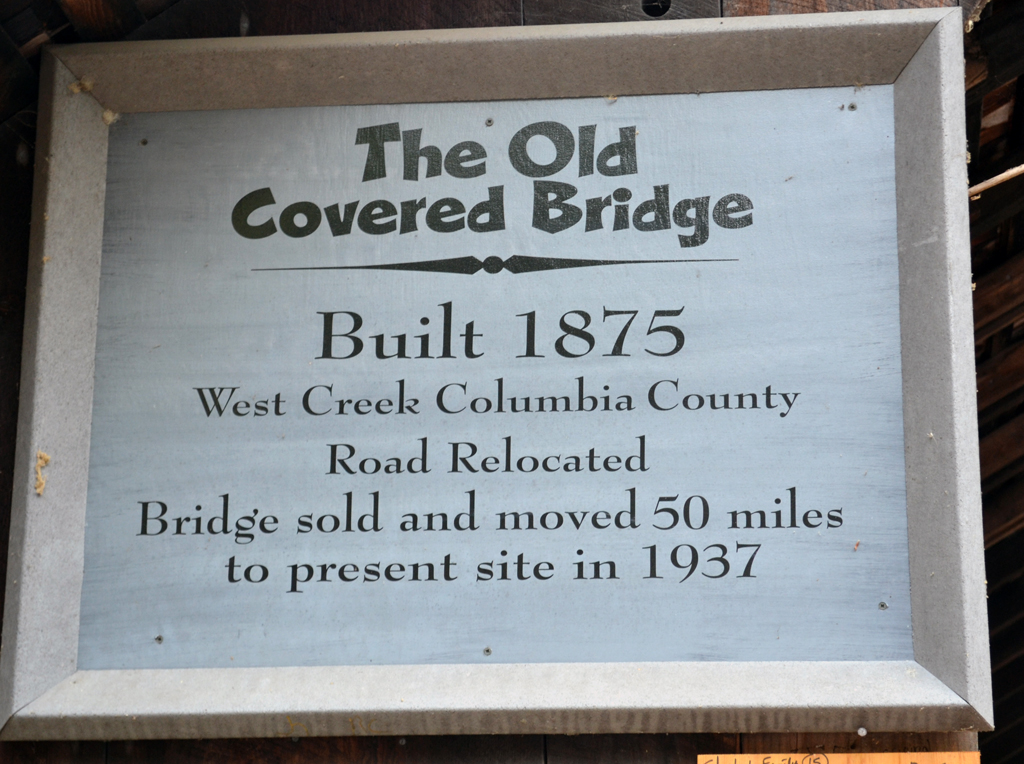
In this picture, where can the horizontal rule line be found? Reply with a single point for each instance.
(494, 264)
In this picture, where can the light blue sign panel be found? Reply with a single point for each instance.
(578, 380)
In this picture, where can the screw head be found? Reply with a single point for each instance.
(883, 605)
(487, 651)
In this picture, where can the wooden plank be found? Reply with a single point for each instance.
(997, 113)
(1008, 646)
(1004, 564)
(1009, 720)
(233, 18)
(636, 749)
(196, 19)
(471, 749)
(773, 7)
(949, 757)
(996, 205)
(975, 63)
(1004, 607)
(1006, 682)
(1000, 375)
(992, 416)
(17, 79)
(999, 38)
(37, 25)
(271, 17)
(831, 744)
(1004, 750)
(97, 20)
(999, 298)
(594, 11)
(1003, 513)
(973, 8)
(1002, 447)
(51, 752)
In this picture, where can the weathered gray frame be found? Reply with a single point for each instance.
(946, 687)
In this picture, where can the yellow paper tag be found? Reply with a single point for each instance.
(958, 757)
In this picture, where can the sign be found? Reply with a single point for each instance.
(958, 757)
(508, 382)
(544, 383)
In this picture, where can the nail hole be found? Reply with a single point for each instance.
(656, 8)
(852, 107)
(143, 142)
(159, 639)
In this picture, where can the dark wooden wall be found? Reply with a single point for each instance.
(995, 129)
(994, 86)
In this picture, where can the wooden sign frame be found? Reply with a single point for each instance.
(86, 87)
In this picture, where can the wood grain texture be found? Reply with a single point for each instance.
(1001, 448)
(636, 749)
(1004, 564)
(981, 171)
(1008, 645)
(854, 743)
(999, 298)
(1007, 749)
(997, 205)
(495, 749)
(595, 11)
(1010, 714)
(1004, 516)
(1006, 682)
(1000, 376)
(998, 37)
(1000, 412)
(98, 20)
(233, 18)
(1003, 606)
(34, 26)
(273, 17)
(994, 46)
(774, 7)
(973, 8)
